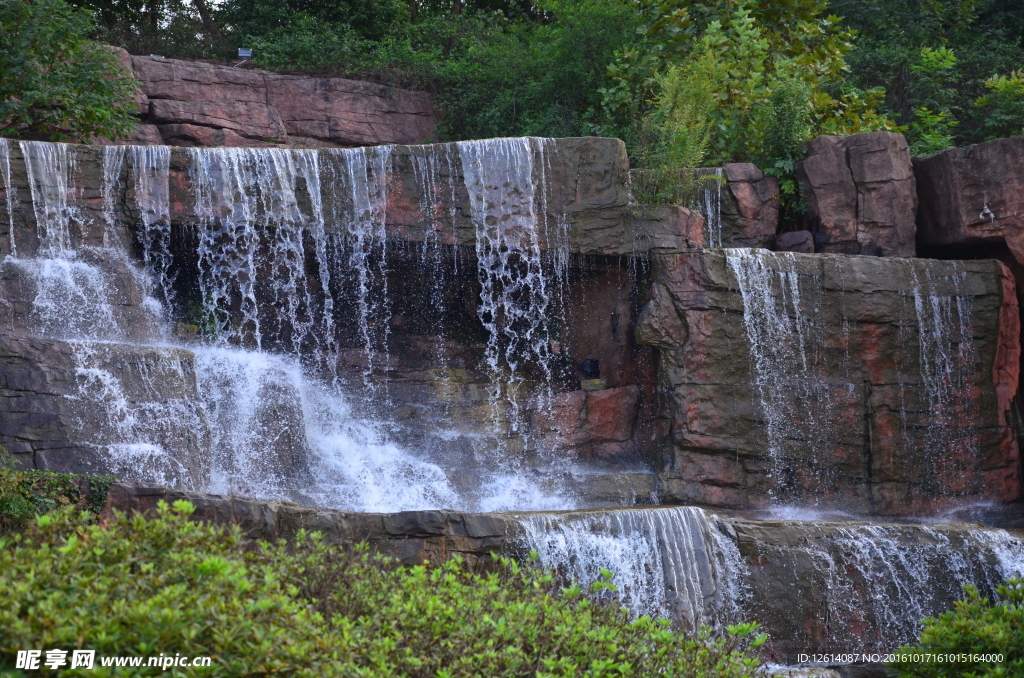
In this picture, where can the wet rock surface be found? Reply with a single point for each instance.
(829, 390)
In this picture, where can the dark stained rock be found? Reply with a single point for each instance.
(973, 195)
(844, 412)
(795, 241)
(55, 413)
(860, 194)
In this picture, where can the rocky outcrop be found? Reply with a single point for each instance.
(834, 381)
(973, 195)
(199, 104)
(860, 193)
(750, 207)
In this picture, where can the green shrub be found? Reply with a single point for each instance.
(137, 586)
(54, 83)
(974, 626)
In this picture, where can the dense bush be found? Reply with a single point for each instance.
(974, 626)
(141, 587)
(54, 83)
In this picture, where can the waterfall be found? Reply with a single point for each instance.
(277, 433)
(252, 248)
(674, 563)
(110, 183)
(150, 166)
(945, 333)
(877, 584)
(366, 174)
(781, 309)
(508, 199)
(784, 315)
(50, 168)
(9, 194)
(710, 198)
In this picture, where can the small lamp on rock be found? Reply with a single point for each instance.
(244, 53)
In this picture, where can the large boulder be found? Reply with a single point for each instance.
(876, 385)
(860, 194)
(973, 195)
(202, 104)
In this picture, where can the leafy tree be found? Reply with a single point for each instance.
(771, 53)
(181, 28)
(975, 626)
(54, 83)
(968, 42)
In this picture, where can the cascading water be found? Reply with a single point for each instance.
(877, 585)
(945, 334)
(150, 166)
(784, 313)
(780, 307)
(366, 172)
(710, 198)
(514, 300)
(674, 563)
(50, 167)
(9, 194)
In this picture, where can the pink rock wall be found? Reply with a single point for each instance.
(186, 103)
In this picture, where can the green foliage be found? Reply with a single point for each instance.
(182, 28)
(676, 132)
(975, 626)
(306, 608)
(1003, 106)
(54, 83)
(491, 75)
(26, 494)
(779, 80)
(935, 56)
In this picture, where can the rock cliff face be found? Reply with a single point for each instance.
(781, 377)
(184, 103)
(860, 194)
(834, 381)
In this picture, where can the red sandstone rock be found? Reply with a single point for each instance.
(246, 119)
(265, 106)
(973, 195)
(750, 206)
(594, 423)
(860, 193)
(350, 112)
